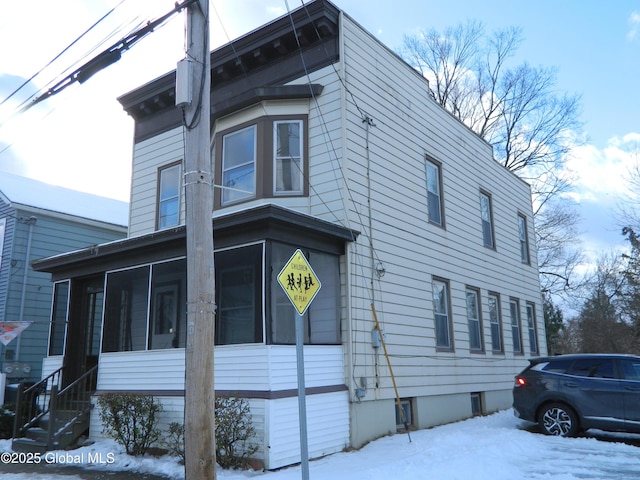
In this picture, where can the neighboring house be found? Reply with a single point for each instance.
(40, 220)
(324, 140)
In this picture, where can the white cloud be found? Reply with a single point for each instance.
(602, 173)
(81, 138)
(634, 25)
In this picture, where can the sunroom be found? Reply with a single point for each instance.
(122, 306)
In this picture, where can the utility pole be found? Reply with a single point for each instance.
(199, 398)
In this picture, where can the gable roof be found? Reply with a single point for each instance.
(25, 192)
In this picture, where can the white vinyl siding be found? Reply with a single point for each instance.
(407, 125)
(250, 367)
(148, 156)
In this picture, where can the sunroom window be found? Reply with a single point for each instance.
(322, 318)
(239, 295)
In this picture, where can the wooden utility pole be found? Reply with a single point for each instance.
(199, 412)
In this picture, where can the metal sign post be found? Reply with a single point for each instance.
(301, 285)
(302, 400)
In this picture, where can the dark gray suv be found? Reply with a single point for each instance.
(571, 393)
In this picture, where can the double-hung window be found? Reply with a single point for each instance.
(169, 180)
(496, 323)
(239, 165)
(514, 308)
(442, 316)
(474, 320)
(486, 215)
(264, 158)
(434, 193)
(531, 326)
(524, 239)
(287, 157)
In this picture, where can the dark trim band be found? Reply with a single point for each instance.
(258, 394)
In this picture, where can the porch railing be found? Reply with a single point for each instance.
(70, 405)
(32, 403)
(64, 408)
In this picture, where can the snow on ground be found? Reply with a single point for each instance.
(492, 448)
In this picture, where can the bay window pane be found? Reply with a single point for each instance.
(239, 164)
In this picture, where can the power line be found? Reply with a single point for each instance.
(108, 57)
(61, 53)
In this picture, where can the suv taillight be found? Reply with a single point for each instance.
(520, 382)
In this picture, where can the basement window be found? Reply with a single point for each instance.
(405, 404)
(476, 404)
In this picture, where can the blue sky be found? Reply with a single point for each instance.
(81, 138)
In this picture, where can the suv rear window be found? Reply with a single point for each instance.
(631, 369)
(593, 367)
(557, 366)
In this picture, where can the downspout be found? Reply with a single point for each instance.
(31, 221)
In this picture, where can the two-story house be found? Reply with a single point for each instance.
(322, 139)
(40, 220)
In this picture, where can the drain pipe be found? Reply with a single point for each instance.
(31, 221)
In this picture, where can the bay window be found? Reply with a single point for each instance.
(264, 158)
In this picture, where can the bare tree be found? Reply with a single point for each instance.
(556, 238)
(629, 209)
(517, 109)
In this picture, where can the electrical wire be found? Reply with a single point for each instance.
(62, 52)
(107, 57)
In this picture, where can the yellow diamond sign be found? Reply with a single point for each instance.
(299, 282)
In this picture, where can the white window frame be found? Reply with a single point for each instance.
(434, 191)
(531, 327)
(495, 321)
(516, 326)
(440, 316)
(474, 320)
(277, 159)
(486, 217)
(523, 234)
(162, 221)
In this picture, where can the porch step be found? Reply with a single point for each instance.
(25, 444)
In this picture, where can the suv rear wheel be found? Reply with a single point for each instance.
(558, 419)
